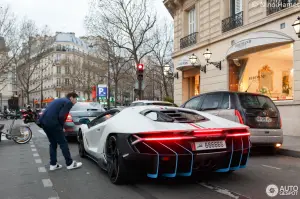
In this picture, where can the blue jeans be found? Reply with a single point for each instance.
(56, 137)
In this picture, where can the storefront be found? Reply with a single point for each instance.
(264, 62)
(190, 78)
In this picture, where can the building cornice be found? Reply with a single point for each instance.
(266, 20)
(173, 5)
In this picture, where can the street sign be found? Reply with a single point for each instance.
(102, 90)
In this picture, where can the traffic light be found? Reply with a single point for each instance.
(140, 71)
(140, 67)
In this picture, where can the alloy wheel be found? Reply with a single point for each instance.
(113, 159)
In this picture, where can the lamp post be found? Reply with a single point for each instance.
(193, 59)
(207, 55)
(296, 26)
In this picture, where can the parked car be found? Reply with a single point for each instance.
(151, 103)
(80, 110)
(254, 110)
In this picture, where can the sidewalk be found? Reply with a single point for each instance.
(290, 146)
(22, 174)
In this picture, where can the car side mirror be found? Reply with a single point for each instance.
(84, 121)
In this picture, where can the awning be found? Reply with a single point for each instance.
(257, 41)
(184, 64)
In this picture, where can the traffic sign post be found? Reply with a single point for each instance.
(102, 93)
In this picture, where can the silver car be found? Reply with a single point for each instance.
(254, 110)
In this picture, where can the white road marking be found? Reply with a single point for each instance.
(223, 191)
(35, 155)
(33, 149)
(47, 183)
(42, 169)
(38, 161)
(32, 146)
(271, 167)
(42, 132)
(54, 198)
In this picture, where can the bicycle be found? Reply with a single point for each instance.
(17, 132)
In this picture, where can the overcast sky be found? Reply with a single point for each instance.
(64, 15)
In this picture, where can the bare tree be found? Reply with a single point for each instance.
(162, 56)
(127, 24)
(35, 47)
(8, 43)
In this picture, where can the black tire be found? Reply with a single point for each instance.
(115, 167)
(24, 141)
(81, 149)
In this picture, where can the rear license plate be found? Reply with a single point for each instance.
(263, 119)
(208, 145)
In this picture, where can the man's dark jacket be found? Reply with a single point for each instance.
(56, 113)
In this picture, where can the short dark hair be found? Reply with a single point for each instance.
(73, 94)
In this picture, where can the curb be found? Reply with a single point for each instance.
(288, 152)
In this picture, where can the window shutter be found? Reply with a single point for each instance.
(238, 6)
(192, 23)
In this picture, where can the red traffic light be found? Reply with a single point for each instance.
(140, 67)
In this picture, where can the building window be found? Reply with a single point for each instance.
(192, 21)
(58, 94)
(67, 70)
(236, 6)
(58, 70)
(67, 81)
(58, 82)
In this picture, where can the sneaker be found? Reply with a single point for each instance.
(55, 167)
(74, 165)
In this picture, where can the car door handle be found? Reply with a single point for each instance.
(98, 129)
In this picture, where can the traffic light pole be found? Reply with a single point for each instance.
(140, 71)
(140, 80)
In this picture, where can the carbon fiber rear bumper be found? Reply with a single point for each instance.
(173, 159)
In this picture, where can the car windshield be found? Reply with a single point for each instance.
(84, 106)
(250, 101)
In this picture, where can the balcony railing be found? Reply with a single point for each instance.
(188, 40)
(232, 22)
(278, 5)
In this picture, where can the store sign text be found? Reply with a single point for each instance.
(256, 77)
(243, 44)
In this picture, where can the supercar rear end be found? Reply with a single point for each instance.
(180, 153)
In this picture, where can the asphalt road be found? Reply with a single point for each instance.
(90, 182)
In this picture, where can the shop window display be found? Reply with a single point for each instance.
(273, 78)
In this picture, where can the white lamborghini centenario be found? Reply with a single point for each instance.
(157, 141)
